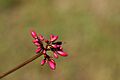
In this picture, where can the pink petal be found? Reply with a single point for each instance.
(58, 45)
(52, 65)
(62, 53)
(41, 37)
(35, 41)
(43, 62)
(54, 46)
(34, 35)
(46, 41)
(53, 61)
(53, 38)
(55, 55)
(37, 44)
(44, 52)
(61, 48)
(38, 50)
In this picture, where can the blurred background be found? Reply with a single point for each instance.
(90, 30)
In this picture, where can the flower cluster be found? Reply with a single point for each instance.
(51, 45)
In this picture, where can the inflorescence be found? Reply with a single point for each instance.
(51, 45)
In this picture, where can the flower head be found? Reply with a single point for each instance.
(51, 45)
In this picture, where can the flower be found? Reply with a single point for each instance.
(53, 38)
(52, 64)
(34, 35)
(51, 45)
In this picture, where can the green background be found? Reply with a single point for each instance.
(90, 30)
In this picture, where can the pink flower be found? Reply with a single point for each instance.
(35, 41)
(53, 38)
(43, 62)
(41, 37)
(62, 53)
(34, 35)
(37, 44)
(51, 45)
(54, 46)
(44, 52)
(38, 50)
(52, 64)
(55, 55)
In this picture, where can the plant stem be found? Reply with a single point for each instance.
(20, 65)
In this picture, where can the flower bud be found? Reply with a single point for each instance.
(34, 35)
(37, 44)
(53, 38)
(61, 48)
(46, 41)
(38, 50)
(54, 46)
(55, 55)
(62, 53)
(52, 64)
(53, 61)
(35, 41)
(41, 37)
(43, 62)
(44, 52)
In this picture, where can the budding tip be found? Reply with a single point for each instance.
(53, 38)
(43, 62)
(33, 34)
(38, 50)
(55, 55)
(52, 64)
(64, 54)
(41, 37)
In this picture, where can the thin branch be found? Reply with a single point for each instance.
(20, 65)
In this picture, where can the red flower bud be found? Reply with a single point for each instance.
(37, 44)
(46, 41)
(52, 64)
(53, 61)
(38, 50)
(43, 62)
(61, 48)
(53, 38)
(44, 52)
(54, 46)
(41, 37)
(34, 35)
(62, 53)
(55, 55)
(35, 41)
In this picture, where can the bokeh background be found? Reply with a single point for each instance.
(90, 30)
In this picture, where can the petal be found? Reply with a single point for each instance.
(61, 48)
(38, 50)
(44, 52)
(43, 62)
(62, 53)
(53, 61)
(41, 37)
(37, 44)
(34, 35)
(54, 46)
(58, 46)
(35, 41)
(52, 65)
(46, 41)
(55, 55)
(53, 37)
